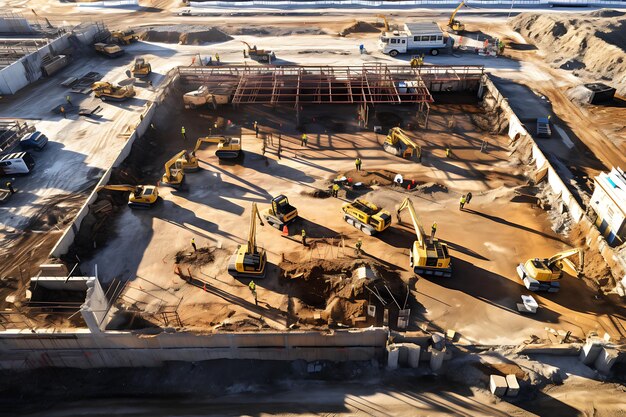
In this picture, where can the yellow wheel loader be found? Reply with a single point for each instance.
(545, 274)
(141, 196)
(249, 261)
(428, 255)
(366, 217)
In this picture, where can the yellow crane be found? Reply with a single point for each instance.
(545, 274)
(227, 148)
(385, 22)
(366, 216)
(398, 143)
(428, 256)
(141, 196)
(454, 24)
(174, 175)
(249, 261)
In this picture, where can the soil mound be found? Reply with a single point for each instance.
(592, 46)
(202, 256)
(185, 35)
(359, 27)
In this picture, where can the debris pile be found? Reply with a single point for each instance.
(359, 27)
(185, 35)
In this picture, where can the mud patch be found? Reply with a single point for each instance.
(202, 256)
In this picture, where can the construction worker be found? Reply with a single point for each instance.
(448, 152)
(62, 110)
(217, 58)
(183, 132)
(10, 187)
(357, 163)
(193, 244)
(263, 147)
(303, 140)
(335, 190)
(433, 230)
(303, 237)
(468, 198)
(414, 62)
(252, 287)
(462, 202)
(279, 150)
(358, 245)
(256, 128)
(69, 100)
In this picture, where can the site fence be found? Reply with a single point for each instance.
(409, 3)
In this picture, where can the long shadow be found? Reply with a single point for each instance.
(464, 250)
(508, 223)
(397, 236)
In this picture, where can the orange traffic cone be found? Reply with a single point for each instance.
(285, 230)
(204, 287)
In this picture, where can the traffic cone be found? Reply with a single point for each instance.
(204, 287)
(285, 230)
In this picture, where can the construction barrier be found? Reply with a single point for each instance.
(406, 3)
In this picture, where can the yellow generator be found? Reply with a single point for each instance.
(366, 216)
(428, 255)
(141, 196)
(249, 261)
(545, 274)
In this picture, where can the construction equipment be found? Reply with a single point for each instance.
(544, 274)
(124, 37)
(227, 149)
(108, 49)
(109, 92)
(249, 261)
(543, 128)
(219, 94)
(258, 54)
(366, 216)
(281, 213)
(385, 22)
(428, 255)
(141, 196)
(399, 144)
(174, 175)
(141, 68)
(455, 25)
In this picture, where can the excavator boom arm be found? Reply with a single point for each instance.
(207, 139)
(252, 234)
(247, 45)
(382, 16)
(453, 15)
(172, 162)
(400, 135)
(417, 225)
(564, 257)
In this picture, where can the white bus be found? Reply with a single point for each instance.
(416, 37)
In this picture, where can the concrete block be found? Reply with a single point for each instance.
(497, 385)
(590, 351)
(605, 360)
(512, 386)
(414, 355)
(403, 357)
(436, 358)
(393, 354)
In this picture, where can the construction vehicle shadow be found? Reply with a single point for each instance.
(397, 236)
(492, 288)
(464, 250)
(313, 230)
(250, 186)
(508, 223)
(366, 255)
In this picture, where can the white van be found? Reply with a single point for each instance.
(16, 163)
(416, 37)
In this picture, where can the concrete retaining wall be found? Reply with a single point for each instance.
(14, 25)
(23, 350)
(405, 3)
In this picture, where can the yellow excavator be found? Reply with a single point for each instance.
(545, 274)
(174, 175)
(385, 22)
(280, 213)
(455, 25)
(258, 54)
(399, 143)
(366, 216)
(141, 68)
(249, 261)
(141, 196)
(227, 149)
(428, 255)
(109, 92)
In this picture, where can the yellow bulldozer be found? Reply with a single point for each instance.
(249, 261)
(428, 256)
(366, 216)
(280, 213)
(545, 274)
(398, 143)
(141, 68)
(141, 196)
(174, 176)
(109, 92)
(227, 149)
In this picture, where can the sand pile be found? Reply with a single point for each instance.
(593, 46)
(185, 34)
(359, 27)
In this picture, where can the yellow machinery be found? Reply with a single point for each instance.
(109, 50)
(174, 175)
(385, 22)
(109, 92)
(454, 24)
(366, 216)
(141, 68)
(280, 213)
(545, 274)
(258, 54)
(428, 255)
(249, 261)
(227, 148)
(141, 196)
(124, 37)
(399, 144)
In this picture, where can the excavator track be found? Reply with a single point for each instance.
(227, 154)
(365, 228)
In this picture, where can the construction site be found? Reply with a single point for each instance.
(176, 199)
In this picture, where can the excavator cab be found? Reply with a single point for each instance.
(366, 216)
(249, 261)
